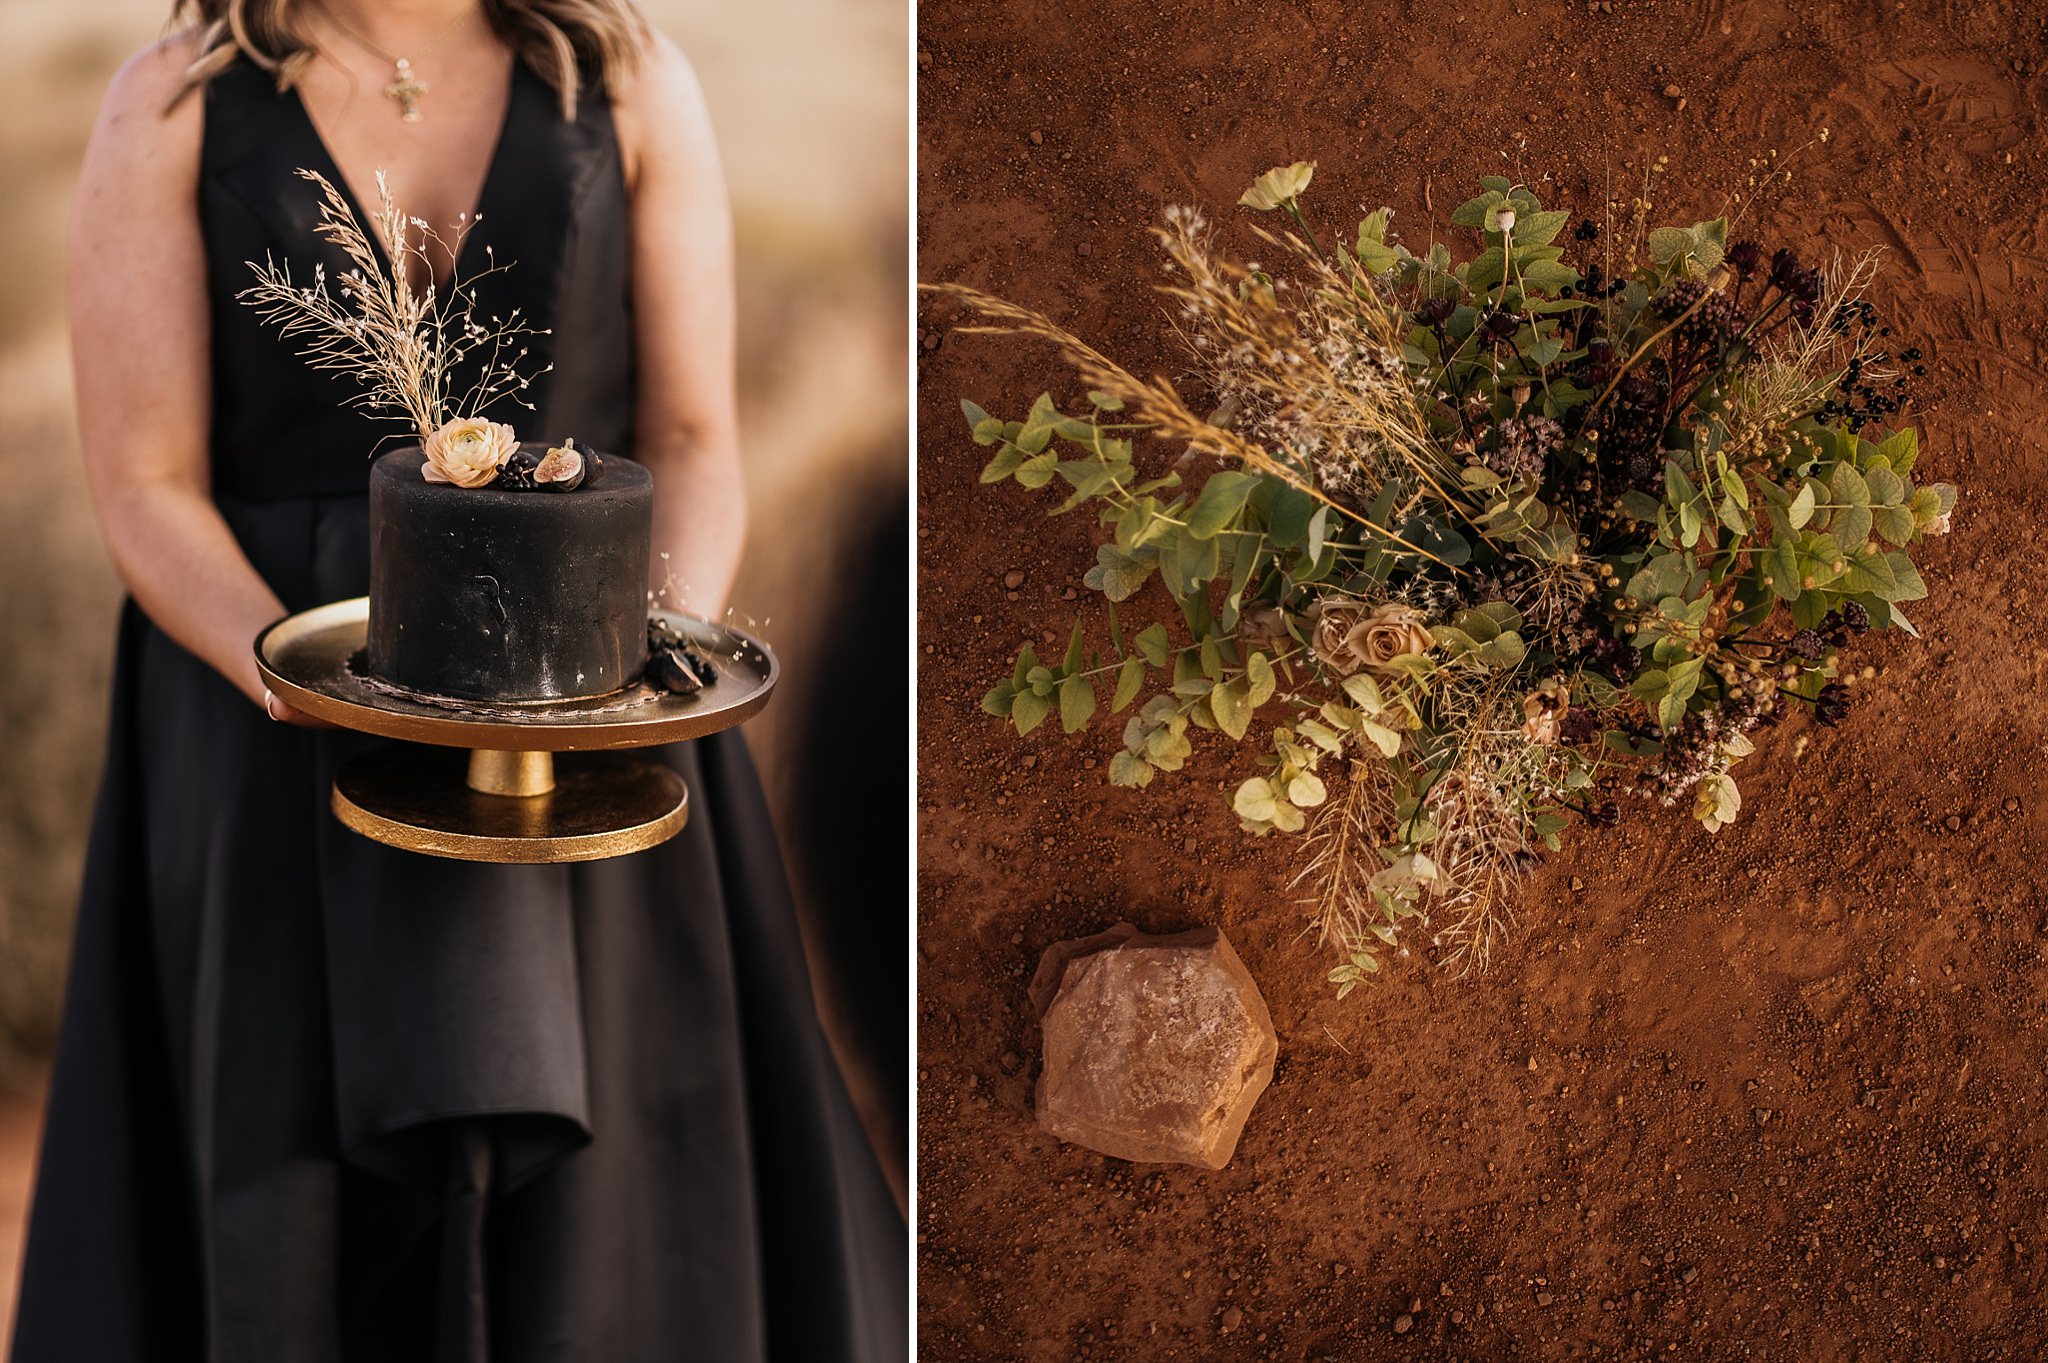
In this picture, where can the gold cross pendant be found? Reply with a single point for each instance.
(407, 92)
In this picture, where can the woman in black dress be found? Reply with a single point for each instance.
(317, 1098)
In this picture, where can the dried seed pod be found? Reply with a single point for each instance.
(561, 469)
(670, 669)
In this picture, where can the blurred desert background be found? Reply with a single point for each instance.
(810, 99)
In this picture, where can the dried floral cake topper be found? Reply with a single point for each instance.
(406, 345)
(1492, 542)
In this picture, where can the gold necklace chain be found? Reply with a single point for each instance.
(405, 88)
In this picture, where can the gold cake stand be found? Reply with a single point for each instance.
(532, 782)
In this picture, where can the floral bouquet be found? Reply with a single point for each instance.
(1483, 544)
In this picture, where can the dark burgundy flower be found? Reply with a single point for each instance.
(1500, 324)
(1604, 815)
(1784, 265)
(1434, 312)
(1744, 257)
(1588, 230)
(1831, 706)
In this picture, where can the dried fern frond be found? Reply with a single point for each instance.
(1341, 856)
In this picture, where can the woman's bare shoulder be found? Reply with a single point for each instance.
(143, 119)
(658, 108)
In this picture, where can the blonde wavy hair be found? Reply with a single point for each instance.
(559, 39)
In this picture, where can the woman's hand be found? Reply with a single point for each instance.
(686, 423)
(139, 340)
(285, 714)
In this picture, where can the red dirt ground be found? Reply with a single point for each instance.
(1778, 1094)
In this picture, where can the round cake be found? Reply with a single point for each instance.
(501, 594)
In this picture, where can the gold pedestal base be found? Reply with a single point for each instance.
(593, 805)
(538, 782)
(493, 772)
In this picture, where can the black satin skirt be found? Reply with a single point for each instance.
(320, 1099)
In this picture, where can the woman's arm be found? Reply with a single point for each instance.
(139, 345)
(686, 419)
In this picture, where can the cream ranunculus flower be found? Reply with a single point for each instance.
(467, 451)
(1543, 712)
(1278, 186)
(1391, 631)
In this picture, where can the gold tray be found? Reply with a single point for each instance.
(510, 798)
(305, 660)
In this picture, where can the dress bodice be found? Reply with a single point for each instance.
(552, 211)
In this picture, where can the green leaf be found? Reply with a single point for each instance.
(1288, 517)
(997, 701)
(1306, 790)
(1473, 212)
(1665, 575)
(1108, 402)
(1222, 498)
(1258, 673)
(1231, 704)
(1640, 506)
(1118, 575)
(1152, 642)
(1186, 562)
(1074, 655)
(1254, 800)
(1039, 425)
(1546, 276)
(1077, 702)
(1374, 254)
(975, 417)
(1364, 692)
(1908, 586)
(1129, 678)
(1387, 740)
(1666, 243)
(1800, 509)
(1129, 769)
(1006, 462)
(1507, 650)
(1539, 229)
(1901, 449)
(1038, 470)
(1870, 573)
(1323, 737)
(1894, 524)
(1028, 711)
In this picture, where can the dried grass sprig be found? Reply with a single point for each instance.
(1155, 403)
(404, 345)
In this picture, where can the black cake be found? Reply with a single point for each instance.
(499, 594)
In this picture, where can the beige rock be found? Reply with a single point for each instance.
(1156, 1047)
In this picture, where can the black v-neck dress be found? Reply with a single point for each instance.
(319, 1099)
